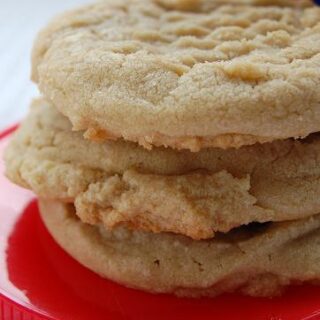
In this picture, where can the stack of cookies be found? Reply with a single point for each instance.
(175, 148)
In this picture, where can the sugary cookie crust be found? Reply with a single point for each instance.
(119, 183)
(259, 263)
(222, 75)
(194, 144)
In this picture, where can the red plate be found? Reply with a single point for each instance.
(38, 280)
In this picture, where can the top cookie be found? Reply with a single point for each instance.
(185, 74)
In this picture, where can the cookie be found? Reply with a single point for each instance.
(185, 74)
(258, 260)
(195, 194)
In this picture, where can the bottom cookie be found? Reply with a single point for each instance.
(258, 260)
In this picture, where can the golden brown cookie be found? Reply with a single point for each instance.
(257, 260)
(195, 194)
(185, 74)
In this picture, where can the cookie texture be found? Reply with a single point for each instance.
(120, 183)
(185, 74)
(258, 261)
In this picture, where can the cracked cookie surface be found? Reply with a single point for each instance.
(185, 74)
(259, 262)
(120, 183)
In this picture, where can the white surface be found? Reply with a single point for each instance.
(20, 21)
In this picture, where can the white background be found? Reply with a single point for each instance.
(19, 22)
